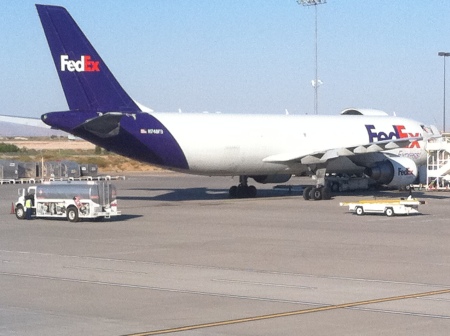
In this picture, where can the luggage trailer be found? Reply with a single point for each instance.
(389, 207)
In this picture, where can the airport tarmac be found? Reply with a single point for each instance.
(185, 259)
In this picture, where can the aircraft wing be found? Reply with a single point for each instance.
(323, 156)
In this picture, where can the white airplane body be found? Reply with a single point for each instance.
(268, 148)
(221, 144)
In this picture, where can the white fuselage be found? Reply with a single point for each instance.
(220, 144)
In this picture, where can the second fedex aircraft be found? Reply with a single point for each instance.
(267, 148)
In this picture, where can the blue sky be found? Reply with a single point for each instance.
(243, 56)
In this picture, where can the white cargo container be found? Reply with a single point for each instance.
(74, 200)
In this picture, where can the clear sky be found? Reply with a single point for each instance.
(243, 56)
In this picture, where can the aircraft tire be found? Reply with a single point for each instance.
(317, 194)
(335, 187)
(233, 192)
(246, 191)
(241, 192)
(251, 191)
(307, 193)
(326, 193)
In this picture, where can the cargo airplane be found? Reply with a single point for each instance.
(266, 148)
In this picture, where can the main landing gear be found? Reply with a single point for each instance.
(243, 190)
(316, 193)
(319, 192)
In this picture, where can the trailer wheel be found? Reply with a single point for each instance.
(20, 212)
(359, 211)
(72, 214)
(389, 212)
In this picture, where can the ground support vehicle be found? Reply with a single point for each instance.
(389, 207)
(74, 200)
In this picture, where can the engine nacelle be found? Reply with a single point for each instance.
(271, 178)
(394, 172)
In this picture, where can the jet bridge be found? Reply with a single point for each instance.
(438, 164)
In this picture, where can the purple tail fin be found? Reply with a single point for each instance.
(86, 80)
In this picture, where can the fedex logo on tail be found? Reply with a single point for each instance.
(85, 64)
(397, 133)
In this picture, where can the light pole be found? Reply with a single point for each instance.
(444, 54)
(316, 82)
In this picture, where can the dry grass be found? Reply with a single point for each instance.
(75, 150)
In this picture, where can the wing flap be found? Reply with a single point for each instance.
(328, 154)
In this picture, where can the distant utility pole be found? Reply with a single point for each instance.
(316, 82)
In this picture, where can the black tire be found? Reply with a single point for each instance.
(20, 212)
(326, 193)
(335, 187)
(317, 194)
(72, 214)
(359, 211)
(233, 192)
(307, 193)
(389, 212)
(251, 191)
(241, 192)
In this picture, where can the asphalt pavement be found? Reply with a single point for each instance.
(185, 259)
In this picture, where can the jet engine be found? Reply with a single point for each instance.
(394, 171)
(271, 178)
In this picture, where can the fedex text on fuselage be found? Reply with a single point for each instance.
(398, 132)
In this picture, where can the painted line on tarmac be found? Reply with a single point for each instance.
(291, 313)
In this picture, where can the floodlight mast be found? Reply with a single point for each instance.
(444, 54)
(316, 82)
